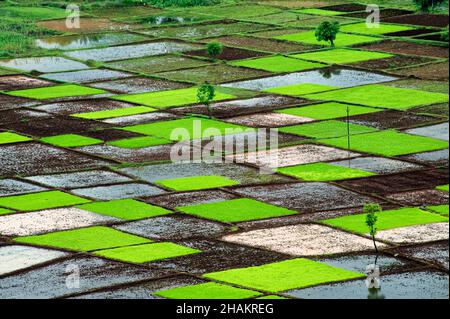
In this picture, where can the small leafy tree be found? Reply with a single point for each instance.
(371, 220)
(327, 31)
(205, 94)
(214, 49)
(427, 5)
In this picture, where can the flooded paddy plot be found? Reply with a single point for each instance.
(439, 131)
(269, 120)
(436, 158)
(86, 25)
(12, 102)
(140, 118)
(436, 253)
(82, 106)
(137, 85)
(43, 64)
(378, 165)
(119, 191)
(20, 82)
(86, 76)
(10, 187)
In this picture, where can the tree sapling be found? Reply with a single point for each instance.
(371, 220)
(205, 94)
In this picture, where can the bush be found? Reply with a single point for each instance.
(327, 31)
(214, 49)
(427, 5)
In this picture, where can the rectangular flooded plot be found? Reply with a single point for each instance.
(86, 76)
(137, 85)
(120, 191)
(43, 64)
(131, 51)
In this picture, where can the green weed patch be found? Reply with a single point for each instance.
(42, 200)
(342, 39)
(209, 290)
(107, 114)
(278, 64)
(301, 89)
(341, 56)
(71, 140)
(196, 183)
(7, 138)
(53, 92)
(326, 129)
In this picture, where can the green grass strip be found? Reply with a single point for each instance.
(342, 39)
(139, 142)
(209, 290)
(326, 129)
(341, 56)
(7, 138)
(85, 239)
(388, 219)
(300, 89)
(71, 140)
(236, 210)
(53, 92)
(107, 114)
(128, 209)
(42, 200)
(277, 64)
(284, 275)
(197, 182)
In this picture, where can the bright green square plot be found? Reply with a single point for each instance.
(301, 89)
(7, 138)
(323, 172)
(321, 12)
(139, 142)
(53, 92)
(236, 210)
(196, 182)
(388, 219)
(278, 64)
(341, 56)
(42, 200)
(388, 143)
(443, 188)
(326, 129)
(342, 39)
(128, 209)
(284, 275)
(85, 239)
(71, 140)
(126, 111)
(382, 96)
(440, 209)
(187, 129)
(330, 110)
(5, 211)
(146, 253)
(380, 28)
(209, 290)
(165, 99)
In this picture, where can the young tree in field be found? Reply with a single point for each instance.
(371, 220)
(205, 94)
(214, 49)
(427, 5)
(327, 31)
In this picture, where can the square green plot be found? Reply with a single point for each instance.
(53, 92)
(71, 140)
(342, 56)
(146, 253)
(380, 29)
(301, 89)
(326, 111)
(320, 12)
(197, 183)
(285, 275)
(85, 239)
(7, 138)
(42, 200)
(187, 129)
(278, 64)
(209, 290)
(377, 95)
(236, 210)
(323, 172)
(444, 188)
(128, 209)
(5, 211)
(440, 209)
(326, 129)
(139, 142)
(342, 39)
(388, 219)
(165, 99)
(388, 143)
(107, 114)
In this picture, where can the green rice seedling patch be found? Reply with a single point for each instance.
(329, 110)
(85, 239)
(326, 129)
(300, 89)
(278, 64)
(5, 211)
(313, 22)
(196, 182)
(187, 129)
(42, 200)
(58, 91)
(209, 290)
(165, 99)
(8, 137)
(323, 172)
(70, 140)
(342, 39)
(380, 29)
(388, 219)
(139, 142)
(320, 12)
(284, 275)
(440, 209)
(388, 143)
(146, 253)
(272, 297)
(128, 209)
(444, 188)
(107, 114)
(34, 13)
(342, 56)
(236, 210)
(377, 95)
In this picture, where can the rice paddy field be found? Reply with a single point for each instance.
(93, 118)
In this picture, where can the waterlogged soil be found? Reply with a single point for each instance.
(12, 102)
(86, 25)
(228, 54)
(411, 33)
(189, 198)
(20, 82)
(120, 191)
(138, 85)
(86, 76)
(84, 106)
(43, 64)
(392, 119)
(392, 63)
(10, 187)
(435, 71)
(435, 158)
(346, 7)
(410, 48)
(430, 20)
(420, 198)
(436, 253)
(385, 14)
(112, 134)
